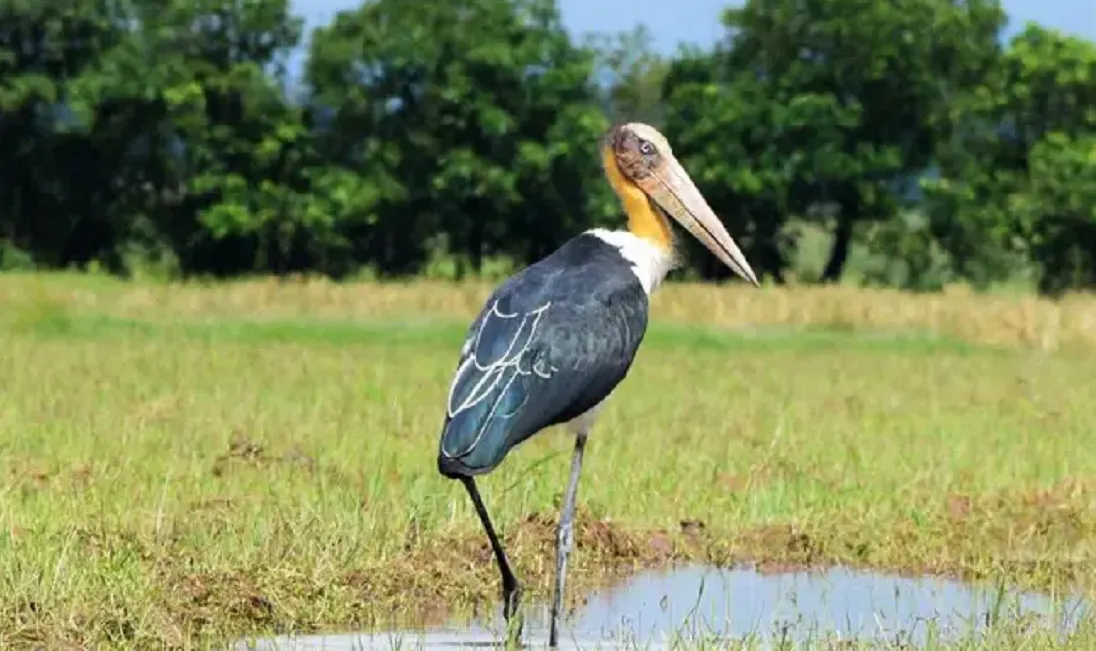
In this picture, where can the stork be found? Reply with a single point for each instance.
(554, 340)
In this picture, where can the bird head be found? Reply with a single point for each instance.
(652, 184)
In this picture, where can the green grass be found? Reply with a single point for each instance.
(178, 483)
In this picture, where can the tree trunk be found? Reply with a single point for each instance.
(475, 244)
(842, 242)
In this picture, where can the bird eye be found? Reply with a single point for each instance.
(646, 148)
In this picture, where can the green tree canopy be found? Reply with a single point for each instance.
(463, 137)
(481, 116)
(850, 96)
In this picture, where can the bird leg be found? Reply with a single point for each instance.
(511, 589)
(565, 536)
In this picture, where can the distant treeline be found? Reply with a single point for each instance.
(168, 136)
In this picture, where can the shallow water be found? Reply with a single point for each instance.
(711, 605)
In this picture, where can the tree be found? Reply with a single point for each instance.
(481, 115)
(237, 150)
(1004, 176)
(1056, 210)
(165, 133)
(55, 182)
(865, 86)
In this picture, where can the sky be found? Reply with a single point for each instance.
(697, 21)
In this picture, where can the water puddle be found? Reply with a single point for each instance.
(697, 606)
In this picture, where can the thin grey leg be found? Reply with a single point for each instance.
(565, 537)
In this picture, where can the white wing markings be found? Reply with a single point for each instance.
(493, 372)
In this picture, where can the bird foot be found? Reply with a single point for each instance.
(511, 611)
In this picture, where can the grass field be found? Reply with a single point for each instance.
(182, 465)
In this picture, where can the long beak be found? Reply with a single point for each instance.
(677, 195)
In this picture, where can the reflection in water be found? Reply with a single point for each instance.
(709, 605)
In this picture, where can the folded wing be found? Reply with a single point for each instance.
(526, 365)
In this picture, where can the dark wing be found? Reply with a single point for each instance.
(529, 364)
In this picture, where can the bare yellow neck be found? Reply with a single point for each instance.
(643, 220)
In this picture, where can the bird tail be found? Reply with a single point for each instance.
(469, 447)
(456, 468)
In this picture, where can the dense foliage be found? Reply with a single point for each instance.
(176, 137)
